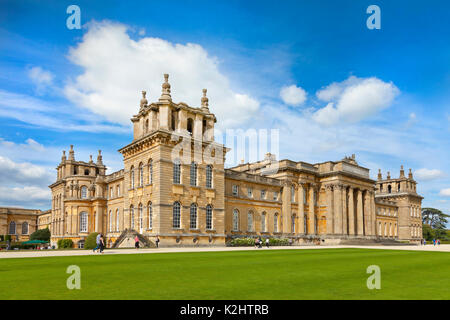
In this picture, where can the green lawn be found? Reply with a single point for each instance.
(253, 274)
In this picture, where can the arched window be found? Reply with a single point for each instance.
(209, 176)
(83, 192)
(263, 222)
(250, 221)
(275, 222)
(390, 230)
(146, 126)
(379, 229)
(83, 222)
(190, 125)
(25, 228)
(141, 174)
(12, 227)
(385, 229)
(150, 215)
(305, 223)
(110, 221)
(235, 220)
(176, 171)
(132, 177)
(150, 171)
(193, 216)
(117, 220)
(389, 189)
(176, 215)
(193, 174)
(292, 193)
(293, 223)
(132, 217)
(141, 225)
(209, 217)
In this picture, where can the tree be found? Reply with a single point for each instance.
(434, 223)
(91, 241)
(42, 234)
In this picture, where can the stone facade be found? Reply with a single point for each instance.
(174, 186)
(18, 222)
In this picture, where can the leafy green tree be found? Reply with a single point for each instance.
(90, 242)
(42, 234)
(65, 243)
(434, 223)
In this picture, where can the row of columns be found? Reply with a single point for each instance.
(350, 211)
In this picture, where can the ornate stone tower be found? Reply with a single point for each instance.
(78, 198)
(174, 173)
(403, 192)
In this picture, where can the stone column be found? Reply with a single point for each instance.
(329, 193)
(311, 215)
(337, 209)
(301, 210)
(286, 208)
(359, 213)
(374, 214)
(367, 214)
(351, 212)
(344, 210)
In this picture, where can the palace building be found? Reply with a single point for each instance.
(174, 186)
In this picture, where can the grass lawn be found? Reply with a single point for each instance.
(253, 274)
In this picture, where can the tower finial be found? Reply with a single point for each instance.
(205, 100)
(388, 175)
(165, 95)
(380, 176)
(63, 157)
(144, 101)
(90, 159)
(410, 175)
(99, 158)
(402, 172)
(71, 153)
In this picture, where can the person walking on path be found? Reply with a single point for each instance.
(157, 241)
(290, 241)
(136, 242)
(97, 241)
(256, 243)
(267, 242)
(438, 242)
(434, 242)
(102, 243)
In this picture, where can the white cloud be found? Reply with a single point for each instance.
(22, 173)
(354, 99)
(116, 68)
(45, 114)
(445, 192)
(293, 95)
(41, 78)
(428, 174)
(28, 196)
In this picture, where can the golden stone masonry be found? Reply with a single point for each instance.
(200, 203)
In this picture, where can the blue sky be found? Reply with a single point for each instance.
(311, 69)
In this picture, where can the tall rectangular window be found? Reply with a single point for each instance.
(193, 174)
(209, 176)
(209, 217)
(176, 171)
(263, 194)
(235, 190)
(275, 196)
(250, 192)
(193, 216)
(176, 215)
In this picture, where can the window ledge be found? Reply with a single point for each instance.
(211, 230)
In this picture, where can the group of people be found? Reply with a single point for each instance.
(259, 243)
(100, 240)
(136, 242)
(435, 242)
